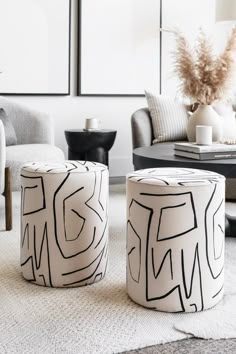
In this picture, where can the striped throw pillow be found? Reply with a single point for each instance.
(169, 118)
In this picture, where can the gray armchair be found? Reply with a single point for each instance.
(35, 141)
(142, 135)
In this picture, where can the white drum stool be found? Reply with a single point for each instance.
(64, 223)
(175, 238)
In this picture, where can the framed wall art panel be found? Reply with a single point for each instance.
(35, 47)
(118, 47)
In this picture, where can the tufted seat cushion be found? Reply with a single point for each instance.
(32, 152)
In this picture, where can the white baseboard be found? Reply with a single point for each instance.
(120, 166)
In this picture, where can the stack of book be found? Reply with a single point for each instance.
(205, 152)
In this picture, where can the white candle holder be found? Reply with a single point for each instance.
(203, 134)
(91, 123)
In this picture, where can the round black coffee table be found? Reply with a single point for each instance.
(90, 145)
(162, 155)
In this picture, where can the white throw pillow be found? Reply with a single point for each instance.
(169, 118)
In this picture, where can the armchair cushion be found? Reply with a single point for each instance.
(10, 134)
(169, 118)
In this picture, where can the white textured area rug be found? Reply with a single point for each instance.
(99, 318)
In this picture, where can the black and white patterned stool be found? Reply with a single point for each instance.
(64, 223)
(175, 238)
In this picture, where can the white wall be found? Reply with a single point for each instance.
(71, 111)
(188, 16)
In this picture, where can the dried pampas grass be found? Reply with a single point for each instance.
(204, 77)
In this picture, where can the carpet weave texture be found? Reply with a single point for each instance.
(99, 318)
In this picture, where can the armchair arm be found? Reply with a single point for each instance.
(2, 157)
(142, 131)
(32, 127)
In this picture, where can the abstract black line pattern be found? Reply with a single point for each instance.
(134, 253)
(214, 235)
(134, 240)
(175, 238)
(168, 254)
(188, 294)
(181, 204)
(64, 243)
(34, 186)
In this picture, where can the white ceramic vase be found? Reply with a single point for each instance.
(205, 115)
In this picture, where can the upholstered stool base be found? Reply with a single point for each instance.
(64, 223)
(175, 238)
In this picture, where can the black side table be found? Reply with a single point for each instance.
(90, 145)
